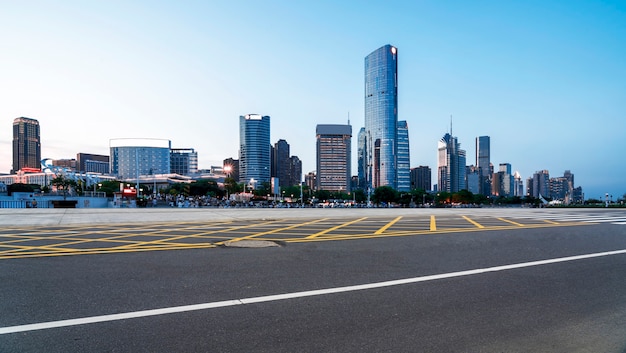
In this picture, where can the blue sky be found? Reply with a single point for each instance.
(546, 80)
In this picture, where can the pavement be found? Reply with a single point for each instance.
(51, 216)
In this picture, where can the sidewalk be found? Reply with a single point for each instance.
(52, 216)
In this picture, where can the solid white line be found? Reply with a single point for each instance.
(268, 298)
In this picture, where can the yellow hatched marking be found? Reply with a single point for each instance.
(478, 225)
(551, 222)
(334, 228)
(433, 224)
(273, 231)
(509, 221)
(386, 226)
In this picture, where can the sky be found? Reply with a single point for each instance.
(546, 80)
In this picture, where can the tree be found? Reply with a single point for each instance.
(385, 194)
(63, 183)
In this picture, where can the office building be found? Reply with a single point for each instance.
(381, 116)
(472, 179)
(26, 145)
(254, 149)
(539, 185)
(518, 184)
(421, 178)
(183, 161)
(503, 181)
(362, 159)
(403, 157)
(231, 168)
(295, 171)
(483, 162)
(92, 163)
(133, 157)
(281, 163)
(333, 157)
(450, 165)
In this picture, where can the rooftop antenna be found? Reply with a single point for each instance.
(348, 117)
(450, 125)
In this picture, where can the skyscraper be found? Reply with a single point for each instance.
(451, 165)
(483, 162)
(333, 157)
(420, 178)
(404, 157)
(254, 149)
(26, 144)
(362, 159)
(381, 116)
(281, 163)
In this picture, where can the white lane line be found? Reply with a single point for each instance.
(268, 298)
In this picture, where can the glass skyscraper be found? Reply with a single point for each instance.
(254, 149)
(483, 162)
(451, 165)
(26, 144)
(381, 116)
(404, 158)
(362, 159)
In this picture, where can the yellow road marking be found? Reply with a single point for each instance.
(509, 221)
(386, 226)
(334, 228)
(272, 231)
(478, 225)
(433, 224)
(551, 222)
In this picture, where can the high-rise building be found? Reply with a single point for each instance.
(295, 171)
(254, 149)
(381, 116)
(26, 144)
(132, 157)
(333, 157)
(504, 182)
(183, 161)
(540, 184)
(483, 162)
(362, 159)
(281, 163)
(451, 165)
(404, 157)
(518, 184)
(421, 178)
(472, 179)
(230, 167)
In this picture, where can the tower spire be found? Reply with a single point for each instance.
(450, 125)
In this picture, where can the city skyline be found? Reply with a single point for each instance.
(545, 81)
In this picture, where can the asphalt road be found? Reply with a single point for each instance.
(563, 304)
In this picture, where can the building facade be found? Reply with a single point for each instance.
(134, 157)
(254, 149)
(450, 165)
(26, 144)
(483, 163)
(183, 161)
(281, 163)
(404, 157)
(381, 116)
(333, 157)
(421, 178)
(92, 163)
(362, 159)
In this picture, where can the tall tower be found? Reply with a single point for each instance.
(404, 157)
(333, 157)
(281, 166)
(381, 116)
(26, 144)
(483, 162)
(362, 159)
(254, 149)
(450, 165)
